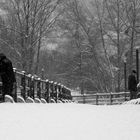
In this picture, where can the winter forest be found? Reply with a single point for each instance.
(80, 43)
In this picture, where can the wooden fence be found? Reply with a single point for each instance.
(103, 98)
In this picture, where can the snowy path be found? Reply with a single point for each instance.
(69, 122)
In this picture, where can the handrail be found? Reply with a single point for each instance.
(28, 85)
(103, 98)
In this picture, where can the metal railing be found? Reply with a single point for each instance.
(102, 98)
(32, 86)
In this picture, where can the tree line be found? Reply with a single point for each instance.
(82, 44)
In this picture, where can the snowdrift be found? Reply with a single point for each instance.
(69, 122)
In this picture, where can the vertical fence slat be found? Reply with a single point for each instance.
(125, 96)
(111, 99)
(97, 99)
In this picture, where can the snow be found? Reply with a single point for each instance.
(69, 122)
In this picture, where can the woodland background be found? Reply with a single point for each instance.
(80, 43)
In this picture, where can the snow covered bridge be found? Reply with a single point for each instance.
(31, 89)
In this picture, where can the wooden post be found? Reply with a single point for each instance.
(32, 87)
(110, 99)
(55, 91)
(83, 98)
(29, 85)
(97, 98)
(51, 89)
(58, 90)
(125, 77)
(137, 64)
(39, 88)
(47, 90)
(23, 85)
(15, 87)
(125, 80)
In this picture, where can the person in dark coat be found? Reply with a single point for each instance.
(132, 85)
(7, 76)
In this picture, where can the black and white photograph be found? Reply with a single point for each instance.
(69, 69)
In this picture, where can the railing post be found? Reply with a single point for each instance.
(125, 77)
(137, 64)
(47, 96)
(125, 96)
(97, 96)
(29, 85)
(15, 87)
(38, 88)
(42, 89)
(55, 91)
(23, 85)
(83, 98)
(32, 87)
(110, 99)
(59, 90)
(51, 89)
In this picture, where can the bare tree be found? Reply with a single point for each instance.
(132, 9)
(30, 20)
(114, 24)
(86, 37)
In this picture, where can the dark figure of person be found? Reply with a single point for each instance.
(7, 76)
(132, 85)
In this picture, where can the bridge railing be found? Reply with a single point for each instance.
(102, 98)
(32, 86)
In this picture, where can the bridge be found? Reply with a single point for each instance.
(33, 89)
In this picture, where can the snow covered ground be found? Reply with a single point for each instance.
(69, 122)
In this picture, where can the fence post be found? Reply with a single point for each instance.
(110, 99)
(47, 90)
(15, 87)
(23, 85)
(83, 98)
(59, 91)
(32, 87)
(137, 63)
(125, 96)
(51, 89)
(55, 91)
(97, 98)
(38, 88)
(29, 85)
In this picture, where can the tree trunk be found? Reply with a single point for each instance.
(118, 43)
